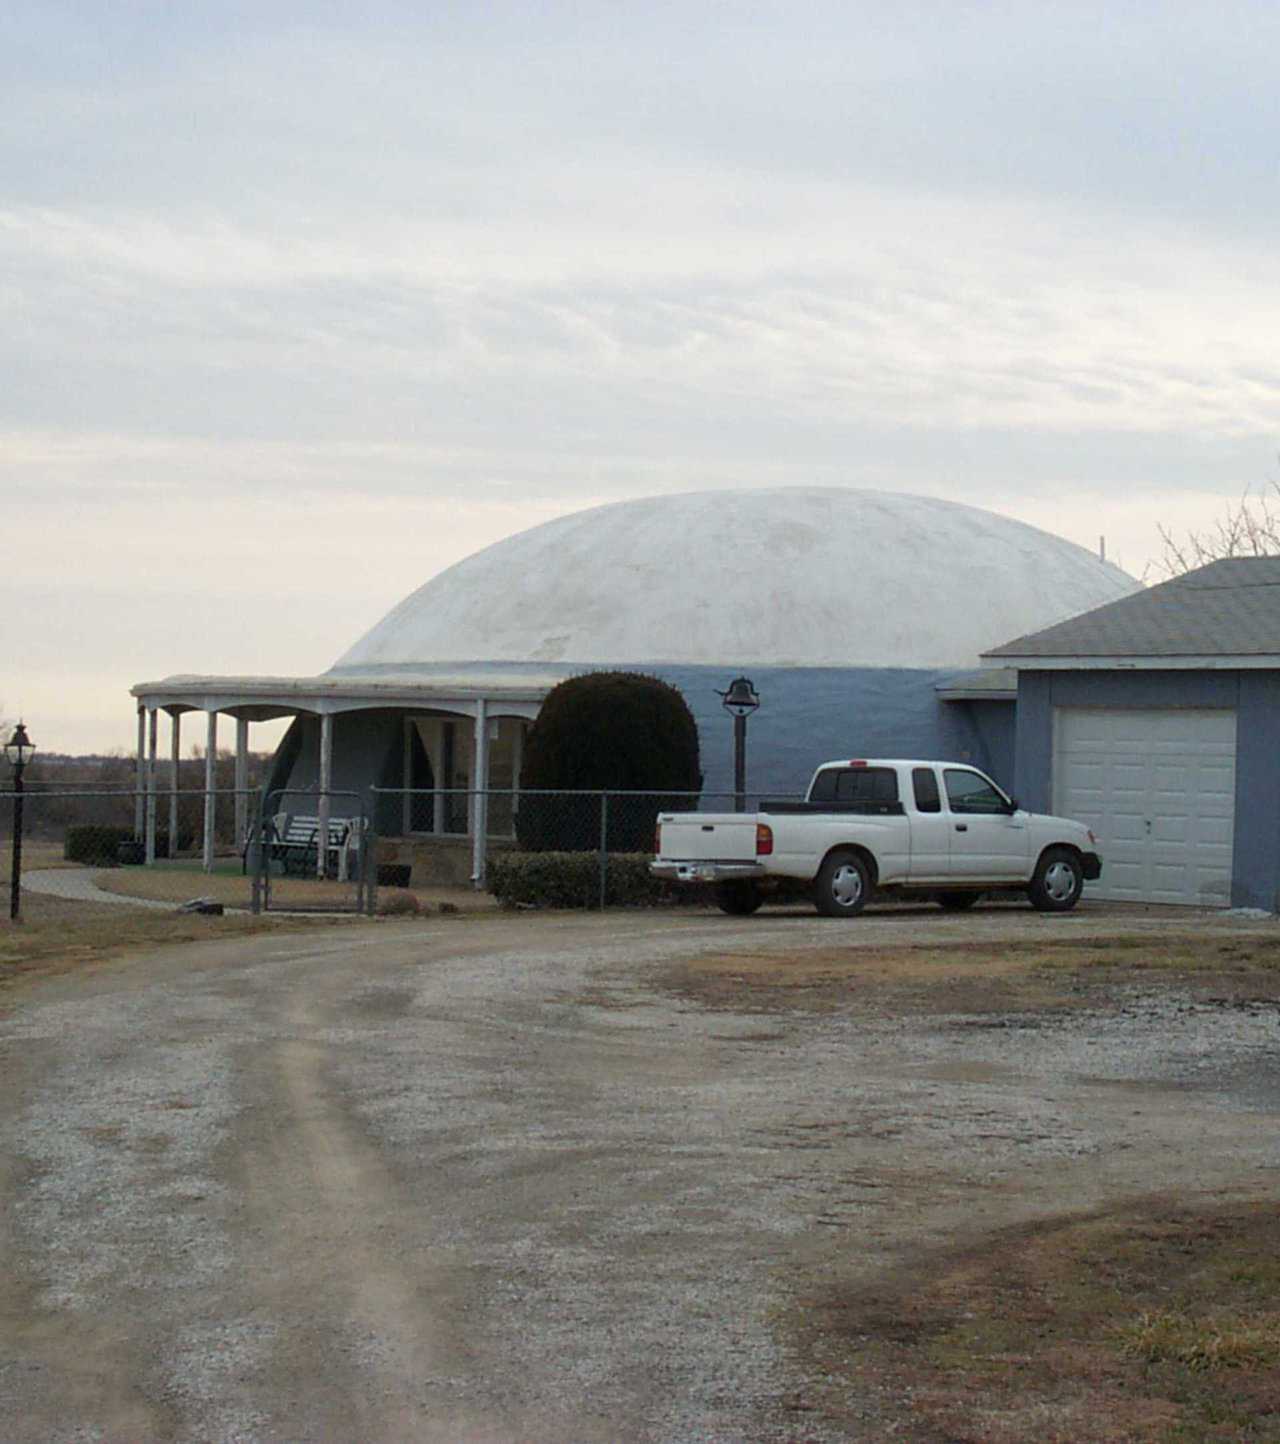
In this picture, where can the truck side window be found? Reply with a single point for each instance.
(925, 782)
(971, 792)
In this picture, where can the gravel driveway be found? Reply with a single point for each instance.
(494, 1179)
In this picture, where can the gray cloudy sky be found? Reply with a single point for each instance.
(301, 305)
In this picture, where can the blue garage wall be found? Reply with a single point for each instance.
(1255, 696)
(1255, 867)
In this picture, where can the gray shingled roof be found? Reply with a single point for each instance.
(1228, 608)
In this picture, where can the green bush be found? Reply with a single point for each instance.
(572, 880)
(606, 732)
(94, 842)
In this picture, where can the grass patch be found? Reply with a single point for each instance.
(1153, 1323)
(56, 936)
(978, 976)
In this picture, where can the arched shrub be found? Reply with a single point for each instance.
(611, 732)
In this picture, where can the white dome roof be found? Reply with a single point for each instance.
(817, 577)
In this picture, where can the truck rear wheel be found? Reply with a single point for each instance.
(739, 897)
(1058, 881)
(842, 886)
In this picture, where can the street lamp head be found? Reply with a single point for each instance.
(18, 749)
(741, 698)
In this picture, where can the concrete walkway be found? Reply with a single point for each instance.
(76, 884)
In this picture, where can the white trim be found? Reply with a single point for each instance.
(175, 769)
(210, 786)
(325, 787)
(480, 784)
(1214, 661)
(153, 720)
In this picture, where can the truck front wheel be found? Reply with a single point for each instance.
(739, 897)
(843, 886)
(1058, 880)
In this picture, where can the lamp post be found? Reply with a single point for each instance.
(740, 701)
(17, 750)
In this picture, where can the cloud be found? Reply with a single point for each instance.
(290, 293)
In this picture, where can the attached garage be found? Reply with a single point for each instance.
(1157, 785)
(1156, 720)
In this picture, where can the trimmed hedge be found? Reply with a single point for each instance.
(572, 880)
(606, 732)
(94, 842)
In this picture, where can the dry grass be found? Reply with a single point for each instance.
(1154, 1323)
(1165, 1336)
(36, 857)
(179, 881)
(979, 976)
(55, 936)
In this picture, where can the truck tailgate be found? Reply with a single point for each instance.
(708, 837)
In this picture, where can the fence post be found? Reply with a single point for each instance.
(604, 846)
(368, 846)
(256, 855)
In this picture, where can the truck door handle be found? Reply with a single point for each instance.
(708, 827)
(962, 827)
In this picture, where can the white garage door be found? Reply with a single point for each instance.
(1158, 788)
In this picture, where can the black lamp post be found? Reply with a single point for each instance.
(741, 701)
(17, 750)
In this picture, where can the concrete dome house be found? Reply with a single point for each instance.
(859, 615)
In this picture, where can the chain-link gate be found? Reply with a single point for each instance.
(313, 852)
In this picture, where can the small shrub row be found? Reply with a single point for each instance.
(94, 842)
(572, 880)
(97, 843)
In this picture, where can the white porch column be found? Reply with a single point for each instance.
(175, 767)
(441, 781)
(326, 781)
(480, 782)
(153, 720)
(242, 780)
(210, 786)
(140, 779)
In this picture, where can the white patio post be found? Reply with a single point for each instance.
(480, 813)
(242, 780)
(175, 766)
(210, 786)
(153, 720)
(140, 779)
(326, 781)
(441, 781)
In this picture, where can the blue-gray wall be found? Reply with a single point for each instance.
(1255, 696)
(807, 716)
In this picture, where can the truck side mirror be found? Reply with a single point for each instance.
(1011, 807)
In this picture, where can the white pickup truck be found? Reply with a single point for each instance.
(940, 829)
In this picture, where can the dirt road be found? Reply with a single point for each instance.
(511, 1179)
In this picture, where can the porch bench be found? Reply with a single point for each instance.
(296, 844)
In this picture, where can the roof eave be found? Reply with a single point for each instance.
(1217, 662)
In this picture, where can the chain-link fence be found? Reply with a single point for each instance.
(387, 849)
(117, 846)
(455, 836)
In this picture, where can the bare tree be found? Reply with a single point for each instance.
(1249, 527)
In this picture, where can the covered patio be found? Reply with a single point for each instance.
(453, 739)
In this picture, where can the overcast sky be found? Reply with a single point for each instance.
(301, 305)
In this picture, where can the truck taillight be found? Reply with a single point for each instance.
(657, 840)
(764, 840)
